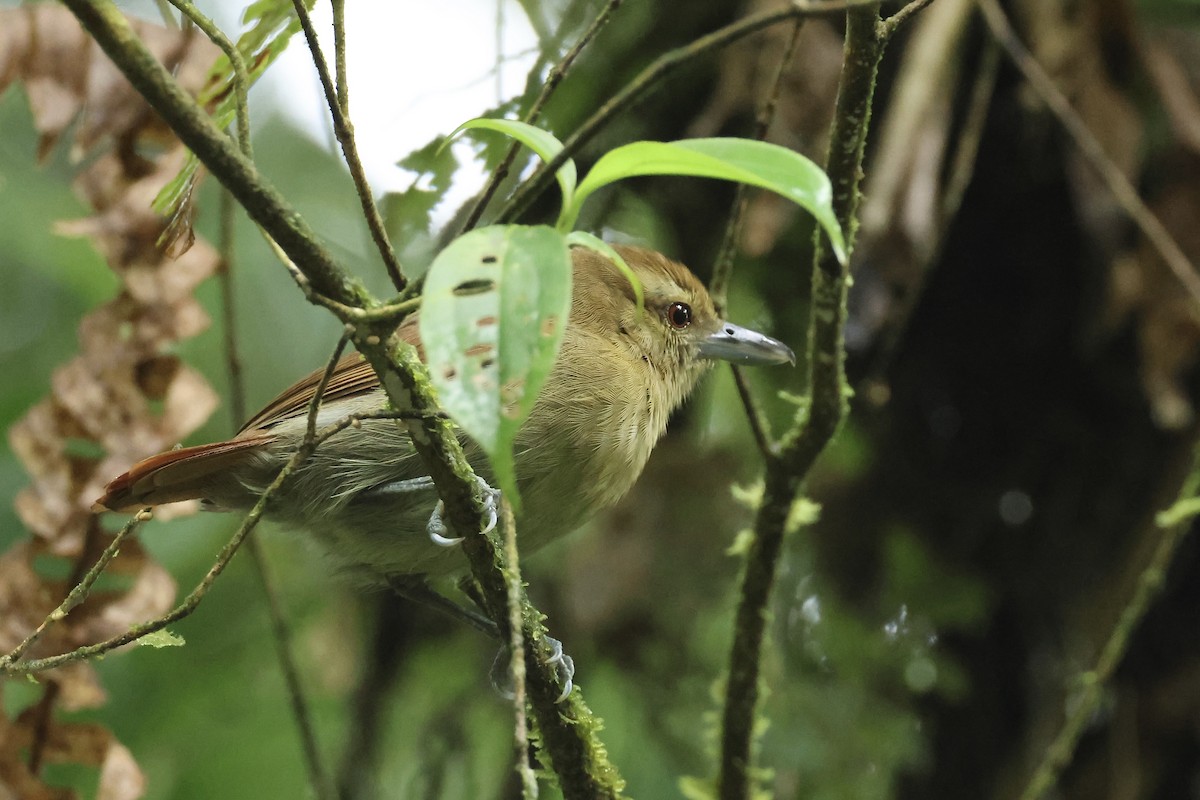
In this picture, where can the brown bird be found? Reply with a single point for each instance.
(363, 494)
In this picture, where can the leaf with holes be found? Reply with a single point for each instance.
(493, 313)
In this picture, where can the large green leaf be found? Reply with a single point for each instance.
(539, 141)
(760, 164)
(493, 313)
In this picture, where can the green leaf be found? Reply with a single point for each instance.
(493, 312)
(539, 141)
(755, 163)
(271, 25)
(408, 214)
(1180, 511)
(161, 638)
(585, 239)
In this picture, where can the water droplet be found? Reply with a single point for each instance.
(898, 625)
(810, 610)
(920, 675)
(1016, 507)
(945, 421)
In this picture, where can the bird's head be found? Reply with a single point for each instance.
(679, 330)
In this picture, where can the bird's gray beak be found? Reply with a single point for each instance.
(744, 346)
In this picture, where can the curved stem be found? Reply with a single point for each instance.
(555, 77)
(1093, 683)
(655, 72)
(79, 592)
(1090, 147)
(813, 429)
(338, 100)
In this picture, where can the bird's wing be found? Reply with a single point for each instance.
(188, 473)
(352, 376)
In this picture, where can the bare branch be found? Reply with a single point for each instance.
(338, 100)
(816, 426)
(723, 269)
(80, 591)
(252, 518)
(890, 25)
(557, 73)
(1122, 190)
(1171, 529)
(650, 76)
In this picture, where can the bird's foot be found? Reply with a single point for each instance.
(437, 530)
(564, 668)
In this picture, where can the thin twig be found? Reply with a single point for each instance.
(233, 361)
(889, 26)
(816, 426)
(317, 776)
(1090, 147)
(718, 287)
(348, 314)
(661, 67)
(339, 56)
(966, 152)
(760, 426)
(516, 649)
(1092, 683)
(43, 715)
(241, 79)
(498, 46)
(197, 594)
(338, 100)
(79, 592)
(553, 79)
(318, 397)
(723, 268)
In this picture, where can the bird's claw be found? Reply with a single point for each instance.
(436, 527)
(491, 502)
(437, 530)
(564, 668)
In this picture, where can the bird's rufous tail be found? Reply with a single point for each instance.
(184, 474)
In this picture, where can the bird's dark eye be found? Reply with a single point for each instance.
(679, 315)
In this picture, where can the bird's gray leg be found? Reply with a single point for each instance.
(564, 667)
(414, 588)
(437, 527)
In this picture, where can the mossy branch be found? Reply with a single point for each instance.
(567, 729)
(815, 427)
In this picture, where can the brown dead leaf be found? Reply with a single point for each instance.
(124, 397)
(85, 743)
(65, 73)
(120, 777)
(25, 599)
